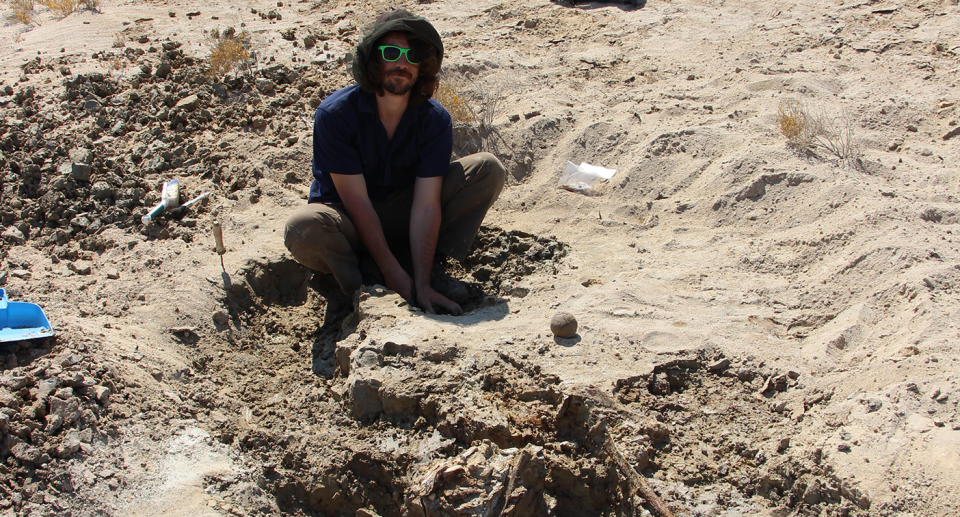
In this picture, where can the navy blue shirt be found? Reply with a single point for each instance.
(348, 138)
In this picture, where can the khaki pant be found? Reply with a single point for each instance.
(321, 237)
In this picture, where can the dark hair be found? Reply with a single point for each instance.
(427, 80)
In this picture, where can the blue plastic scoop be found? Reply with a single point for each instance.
(20, 320)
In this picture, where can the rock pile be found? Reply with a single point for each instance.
(52, 409)
(500, 259)
(91, 151)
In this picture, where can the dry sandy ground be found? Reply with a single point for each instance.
(830, 287)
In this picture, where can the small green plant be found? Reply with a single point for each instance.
(22, 11)
(810, 131)
(228, 51)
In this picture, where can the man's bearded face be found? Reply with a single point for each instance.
(398, 76)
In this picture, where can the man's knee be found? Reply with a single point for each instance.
(304, 224)
(490, 172)
(498, 172)
(297, 224)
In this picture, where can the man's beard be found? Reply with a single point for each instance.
(396, 88)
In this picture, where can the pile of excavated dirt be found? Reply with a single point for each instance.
(762, 329)
(53, 406)
(91, 154)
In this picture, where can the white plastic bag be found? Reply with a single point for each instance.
(580, 178)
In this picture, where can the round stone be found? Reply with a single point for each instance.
(563, 324)
(221, 317)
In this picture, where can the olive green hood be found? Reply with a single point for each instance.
(413, 24)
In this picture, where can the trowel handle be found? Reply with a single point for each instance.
(218, 237)
(153, 213)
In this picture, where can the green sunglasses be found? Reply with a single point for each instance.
(392, 53)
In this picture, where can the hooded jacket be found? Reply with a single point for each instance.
(413, 24)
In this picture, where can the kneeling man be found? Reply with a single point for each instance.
(383, 180)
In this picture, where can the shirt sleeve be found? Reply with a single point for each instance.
(436, 143)
(335, 149)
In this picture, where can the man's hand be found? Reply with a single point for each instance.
(428, 299)
(353, 192)
(400, 282)
(424, 228)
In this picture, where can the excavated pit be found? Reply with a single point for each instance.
(399, 415)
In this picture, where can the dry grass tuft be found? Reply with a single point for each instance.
(63, 8)
(228, 52)
(450, 95)
(836, 137)
(810, 131)
(489, 97)
(476, 102)
(22, 11)
(492, 104)
(797, 124)
(473, 102)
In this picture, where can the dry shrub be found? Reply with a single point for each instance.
(491, 97)
(22, 10)
(797, 124)
(475, 101)
(449, 94)
(836, 137)
(227, 52)
(810, 131)
(61, 8)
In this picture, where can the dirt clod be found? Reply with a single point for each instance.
(563, 324)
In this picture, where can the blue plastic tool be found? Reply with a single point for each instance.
(20, 320)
